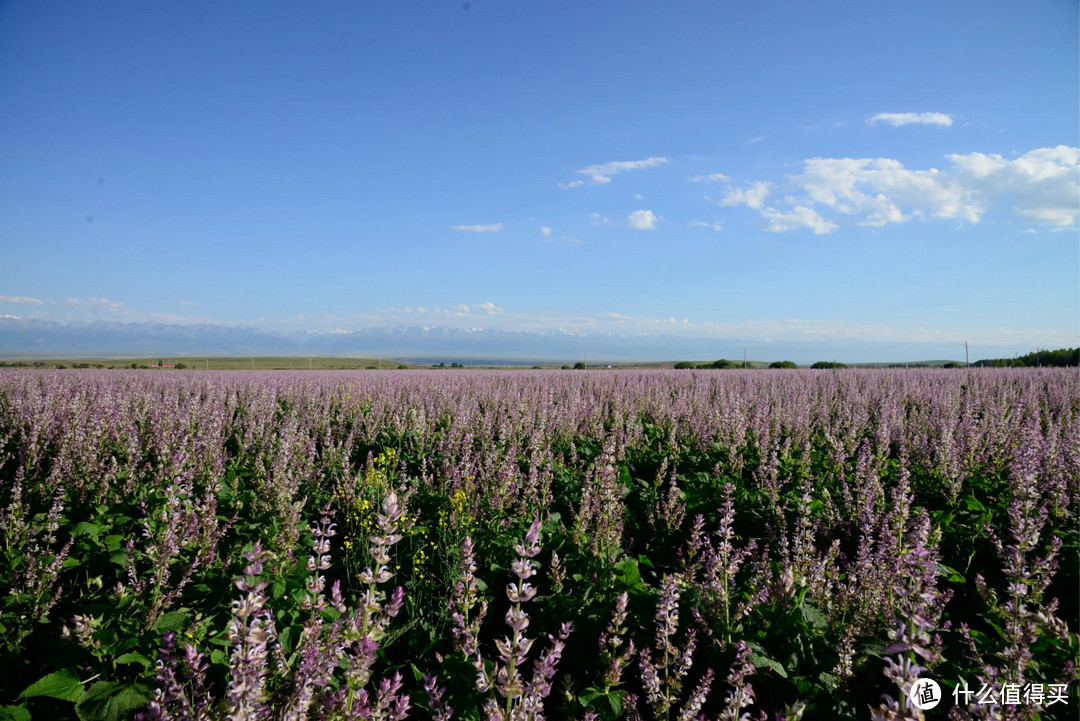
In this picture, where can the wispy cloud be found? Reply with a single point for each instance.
(752, 196)
(603, 173)
(20, 299)
(755, 139)
(638, 220)
(545, 231)
(94, 303)
(643, 220)
(493, 228)
(9, 316)
(702, 224)
(798, 217)
(710, 178)
(898, 119)
(1043, 186)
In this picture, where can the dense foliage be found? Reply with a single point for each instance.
(1060, 358)
(595, 545)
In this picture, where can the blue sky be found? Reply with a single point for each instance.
(787, 170)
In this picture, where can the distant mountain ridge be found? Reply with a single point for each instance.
(44, 338)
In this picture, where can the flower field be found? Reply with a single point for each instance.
(524, 545)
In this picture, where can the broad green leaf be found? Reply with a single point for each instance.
(110, 701)
(589, 695)
(173, 620)
(136, 657)
(951, 574)
(615, 701)
(813, 616)
(14, 713)
(759, 659)
(85, 528)
(61, 684)
(629, 574)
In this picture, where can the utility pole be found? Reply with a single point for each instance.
(966, 361)
(207, 364)
(744, 357)
(586, 360)
(252, 364)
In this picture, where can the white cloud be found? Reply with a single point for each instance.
(898, 119)
(488, 307)
(187, 304)
(710, 178)
(1043, 186)
(639, 196)
(753, 196)
(702, 224)
(9, 316)
(601, 174)
(1029, 231)
(20, 299)
(597, 219)
(545, 231)
(643, 220)
(493, 228)
(755, 139)
(798, 217)
(94, 303)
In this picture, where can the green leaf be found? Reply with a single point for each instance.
(871, 647)
(173, 620)
(136, 657)
(85, 528)
(974, 504)
(813, 616)
(110, 701)
(758, 658)
(630, 576)
(951, 574)
(61, 684)
(615, 701)
(14, 713)
(589, 695)
(114, 542)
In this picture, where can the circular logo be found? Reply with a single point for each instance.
(925, 694)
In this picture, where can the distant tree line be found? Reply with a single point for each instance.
(1056, 358)
(725, 364)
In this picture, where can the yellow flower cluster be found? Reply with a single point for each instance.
(360, 522)
(457, 517)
